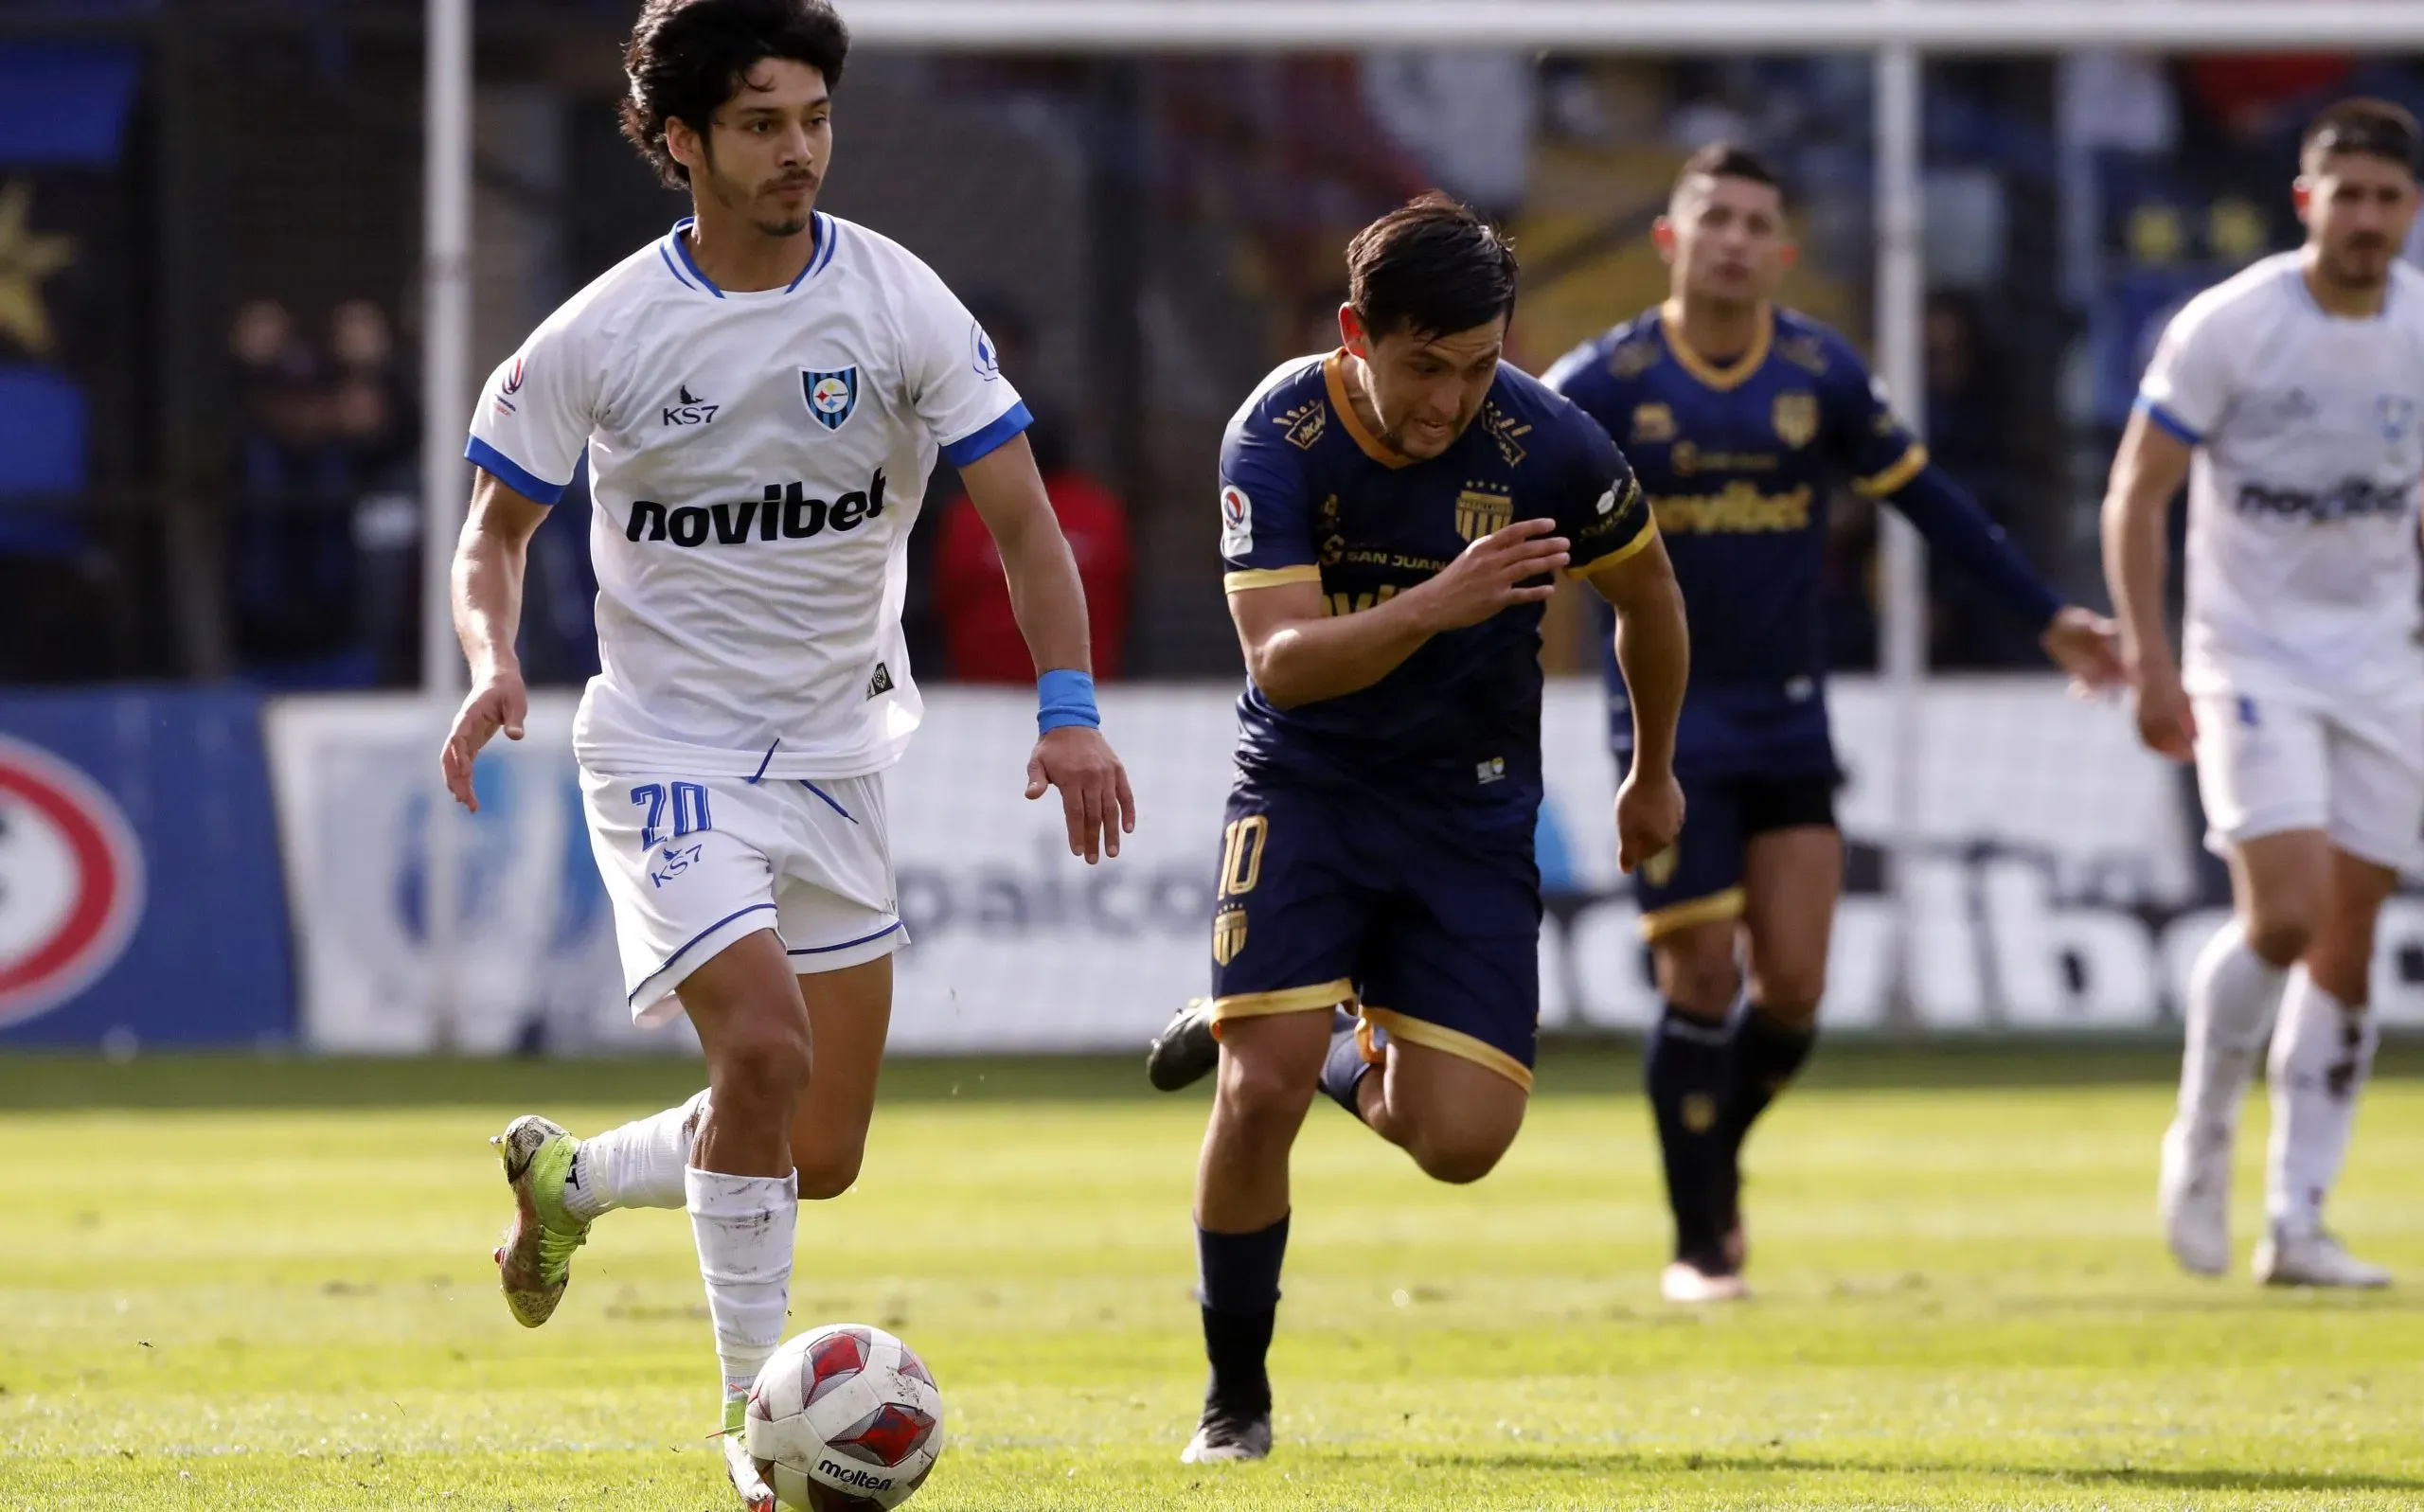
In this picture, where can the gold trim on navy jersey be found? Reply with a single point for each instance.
(1734, 375)
(1879, 485)
(1335, 375)
(1648, 533)
(1248, 578)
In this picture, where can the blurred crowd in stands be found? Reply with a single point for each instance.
(2070, 205)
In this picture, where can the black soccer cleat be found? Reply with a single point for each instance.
(1185, 1052)
(1224, 1435)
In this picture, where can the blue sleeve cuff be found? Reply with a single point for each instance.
(513, 475)
(2166, 422)
(1064, 697)
(991, 438)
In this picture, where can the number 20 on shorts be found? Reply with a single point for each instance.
(1241, 847)
(689, 803)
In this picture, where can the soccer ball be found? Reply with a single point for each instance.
(844, 1418)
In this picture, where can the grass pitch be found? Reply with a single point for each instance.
(266, 1285)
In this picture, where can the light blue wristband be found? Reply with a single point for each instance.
(1063, 698)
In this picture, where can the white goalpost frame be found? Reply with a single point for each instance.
(445, 387)
(1901, 33)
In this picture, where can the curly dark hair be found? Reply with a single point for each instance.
(686, 58)
(1430, 268)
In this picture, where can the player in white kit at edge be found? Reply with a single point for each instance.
(761, 394)
(2296, 389)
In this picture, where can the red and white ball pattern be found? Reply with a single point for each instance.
(845, 1418)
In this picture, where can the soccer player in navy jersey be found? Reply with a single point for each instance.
(1392, 517)
(1741, 417)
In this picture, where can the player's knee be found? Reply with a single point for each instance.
(828, 1173)
(1458, 1159)
(761, 1072)
(1259, 1095)
(1790, 996)
(2281, 933)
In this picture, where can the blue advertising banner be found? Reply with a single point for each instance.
(141, 900)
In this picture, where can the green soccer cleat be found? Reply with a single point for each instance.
(743, 1471)
(535, 1261)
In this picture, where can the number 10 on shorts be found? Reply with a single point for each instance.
(1242, 846)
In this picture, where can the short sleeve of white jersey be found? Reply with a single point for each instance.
(534, 419)
(954, 373)
(2189, 381)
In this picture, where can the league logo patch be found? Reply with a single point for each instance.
(1237, 521)
(1482, 511)
(833, 397)
(982, 355)
(1795, 417)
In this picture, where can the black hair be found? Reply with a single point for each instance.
(2376, 128)
(686, 58)
(1431, 267)
(1728, 160)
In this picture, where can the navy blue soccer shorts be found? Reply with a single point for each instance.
(1431, 929)
(1698, 879)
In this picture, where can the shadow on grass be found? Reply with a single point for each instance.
(2147, 1477)
(1568, 1067)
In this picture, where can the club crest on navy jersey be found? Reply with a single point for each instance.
(833, 396)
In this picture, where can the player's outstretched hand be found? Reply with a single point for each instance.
(2088, 646)
(2167, 721)
(1650, 814)
(1094, 795)
(1496, 572)
(501, 702)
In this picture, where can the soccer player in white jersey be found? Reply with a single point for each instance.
(2288, 399)
(761, 394)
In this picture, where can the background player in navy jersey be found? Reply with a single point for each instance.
(1741, 418)
(1392, 516)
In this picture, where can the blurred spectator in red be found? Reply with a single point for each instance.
(981, 640)
(2255, 94)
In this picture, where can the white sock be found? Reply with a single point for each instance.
(2321, 1055)
(2232, 993)
(639, 1165)
(744, 1226)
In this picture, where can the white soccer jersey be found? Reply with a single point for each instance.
(755, 462)
(2301, 496)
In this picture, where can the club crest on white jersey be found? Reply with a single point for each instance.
(833, 397)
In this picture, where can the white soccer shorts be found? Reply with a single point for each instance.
(692, 866)
(2356, 773)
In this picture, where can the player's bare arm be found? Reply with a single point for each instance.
(2147, 471)
(1299, 654)
(1050, 603)
(1654, 650)
(486, 596)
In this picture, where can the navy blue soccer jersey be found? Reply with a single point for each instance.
(1739, 461)
(1309, 494)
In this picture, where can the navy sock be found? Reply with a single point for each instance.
(1768, 1054)
(1345, 1068)
(1239, 1291)
(1688, 1067)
